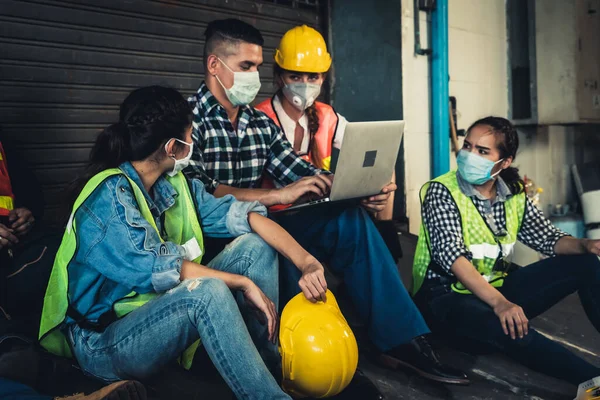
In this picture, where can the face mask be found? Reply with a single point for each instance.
(184, 162)
(301, 95)
(245, 87)
(475, 169)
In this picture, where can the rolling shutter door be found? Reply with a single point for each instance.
(65, 66)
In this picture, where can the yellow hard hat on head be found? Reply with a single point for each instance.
(319, 354)
(303, 49)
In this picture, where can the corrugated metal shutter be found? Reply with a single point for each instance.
(65, 66)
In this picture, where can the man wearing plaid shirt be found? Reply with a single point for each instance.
(235, 145)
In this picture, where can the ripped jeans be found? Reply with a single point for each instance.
(144, 341)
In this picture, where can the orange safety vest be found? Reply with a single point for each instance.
(328, 122)
(7, 197)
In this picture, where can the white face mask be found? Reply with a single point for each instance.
(245, 86)
(180, 165)
(301, 95)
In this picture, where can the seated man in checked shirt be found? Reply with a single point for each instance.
(464, 283)
(235, 144)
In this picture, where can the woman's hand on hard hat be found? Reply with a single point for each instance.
(312, 282)
(378, 202)
(318, 185)
(263, 305)
(513, 319)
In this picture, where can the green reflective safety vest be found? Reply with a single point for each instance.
(487, 249)
(181, 225)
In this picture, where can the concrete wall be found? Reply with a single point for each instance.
(557, 53)
(478, 79)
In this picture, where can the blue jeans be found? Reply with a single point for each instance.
(347, 240)
(535, 288)
(141, 343)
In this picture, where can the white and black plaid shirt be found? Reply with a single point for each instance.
(442, 219)
(239, 157)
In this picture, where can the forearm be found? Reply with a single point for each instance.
(570, 245)
(280, 240)
(268, 197)
(191, 270)
(466, 273)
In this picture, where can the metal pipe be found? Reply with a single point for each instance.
(440, 92)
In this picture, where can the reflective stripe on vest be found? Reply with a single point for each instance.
(328, 121)
(477, 236)
(6, 194)
(181, 224)
(6, 205)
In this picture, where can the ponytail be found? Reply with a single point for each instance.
(313, 127)
(112, 147)
(513, 180)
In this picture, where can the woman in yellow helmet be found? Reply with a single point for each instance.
(314, 129)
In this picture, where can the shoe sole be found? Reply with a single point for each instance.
(394, 363)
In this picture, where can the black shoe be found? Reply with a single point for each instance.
(419, 356)
(360, 388)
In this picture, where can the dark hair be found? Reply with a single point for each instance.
(229, 31)
(508, 144)
(148, 118)
(313, 122)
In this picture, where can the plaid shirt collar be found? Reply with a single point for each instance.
(207, 102)
(503, 193)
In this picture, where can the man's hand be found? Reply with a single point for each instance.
(313, 282)
(318, 185)
(21, 221)
(592, 246)
(7, 237)
(378, 202)
(513, 319)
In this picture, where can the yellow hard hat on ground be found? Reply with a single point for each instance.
(303, 49)
(319, 354)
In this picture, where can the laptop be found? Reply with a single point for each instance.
(366, 162)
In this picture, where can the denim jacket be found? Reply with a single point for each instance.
(118, 251)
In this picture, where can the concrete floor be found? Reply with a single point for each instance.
(495, 377)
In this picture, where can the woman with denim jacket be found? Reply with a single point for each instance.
(119, 251)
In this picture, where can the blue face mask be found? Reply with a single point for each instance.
(475, 169)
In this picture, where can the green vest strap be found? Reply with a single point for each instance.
(487, 249)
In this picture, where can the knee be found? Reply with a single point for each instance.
(258, 253)
(587, 266)
(355, 213)
(193, 291)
